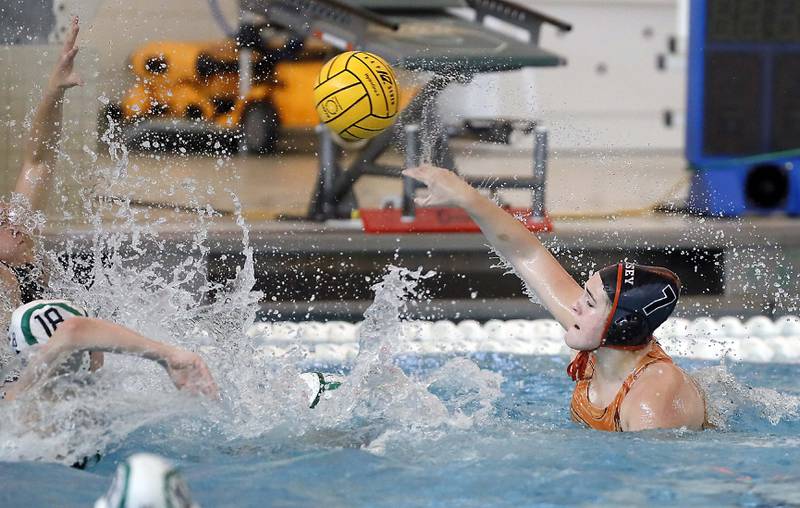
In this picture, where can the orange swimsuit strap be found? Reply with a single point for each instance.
(607, 418)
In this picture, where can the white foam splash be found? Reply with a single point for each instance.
(126, 279)
(727, 396)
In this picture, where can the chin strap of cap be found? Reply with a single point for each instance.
(577, 367)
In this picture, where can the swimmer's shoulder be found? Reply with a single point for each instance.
(663, 396)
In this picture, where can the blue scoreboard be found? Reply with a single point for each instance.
(743, 110)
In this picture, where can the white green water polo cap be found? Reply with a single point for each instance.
(35, 322)
(145, 480)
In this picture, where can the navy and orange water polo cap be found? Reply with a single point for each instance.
(642, 297)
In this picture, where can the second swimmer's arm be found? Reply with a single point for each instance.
(39, 155)
(531, 261)
(76, 335)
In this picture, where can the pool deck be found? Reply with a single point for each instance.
(297, 250)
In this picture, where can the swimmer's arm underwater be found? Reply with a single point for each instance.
(76, 335)
(39, 155)
(531, 261)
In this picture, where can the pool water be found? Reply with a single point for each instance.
(521, 450)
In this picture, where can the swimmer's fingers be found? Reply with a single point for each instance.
(416, 174)
(190, 373)
(69, 43)
(68, 59)
(72, 78)
(206, 382)
(445, 188)
(425, 174)
(204, 386)
(212, 391)
(64, 75)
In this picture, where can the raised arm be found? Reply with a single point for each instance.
(531, 261)
(77, 335)
(39, 155)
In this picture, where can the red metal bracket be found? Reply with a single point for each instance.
(439, 220)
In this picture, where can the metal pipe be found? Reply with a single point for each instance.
(539, 171)
(245, 72)
(244, 88)
(380, 170)
(412, 160)
(367, 156)
(323, 205)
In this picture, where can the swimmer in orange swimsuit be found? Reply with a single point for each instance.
(625, 381)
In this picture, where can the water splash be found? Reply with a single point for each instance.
(121, 270)
(75, 417)
(729, 401)
(376, 396)
(377, 401)
(376, 389)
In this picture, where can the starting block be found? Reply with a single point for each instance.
(450, 48)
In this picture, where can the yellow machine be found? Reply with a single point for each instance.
(199, 81)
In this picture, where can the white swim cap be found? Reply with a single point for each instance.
(145, 480)
(35, 322)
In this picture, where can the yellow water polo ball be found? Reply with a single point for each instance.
(356, 95)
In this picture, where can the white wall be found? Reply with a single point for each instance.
(610, 95)
(23, 73)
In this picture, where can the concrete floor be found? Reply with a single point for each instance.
(583, 185)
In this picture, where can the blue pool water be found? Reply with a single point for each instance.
(523, 451)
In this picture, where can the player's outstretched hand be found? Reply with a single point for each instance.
(64, 75)
(445, 188)
(190, 373)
